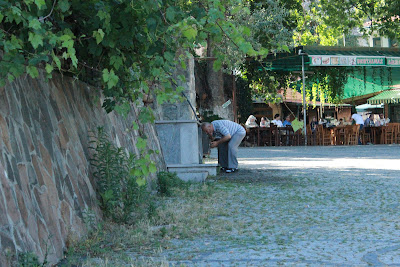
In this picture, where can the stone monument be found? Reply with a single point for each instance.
(180, 135)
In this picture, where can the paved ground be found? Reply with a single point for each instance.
(314, 206)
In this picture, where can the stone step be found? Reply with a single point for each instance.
(193, 172)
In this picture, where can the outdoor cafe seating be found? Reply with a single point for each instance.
(323, 136)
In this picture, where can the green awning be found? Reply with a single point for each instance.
(389, 96)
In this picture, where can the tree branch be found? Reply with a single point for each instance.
(41, 19)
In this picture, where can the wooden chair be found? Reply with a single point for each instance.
(340, 136)
(397, 134)
(251, 137)
(365, 135)
(389, 133)
(286, 136)
(272, 139)
(266, 136)
(324, 136)
(352, 134)
(311, 137)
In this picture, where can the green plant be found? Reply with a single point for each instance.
(30, 259)
(167, 182)
(209, 116)
(123, 195)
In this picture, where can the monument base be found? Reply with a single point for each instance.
(193, 172)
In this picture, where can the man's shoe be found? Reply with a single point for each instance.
(231, 170)
(223, 169)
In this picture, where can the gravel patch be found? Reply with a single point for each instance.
(303, 206)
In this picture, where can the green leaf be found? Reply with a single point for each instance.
(190, 33)
(40, 3)
(245, 47)
(170, 13)
(99, 35)
(296, 125)
(32, 71)
(217, 65)
(35, 24)
(116, 61)
(68, 43)
(57, 61)
(135, 126)
(152, 167)
(145, 170)
(38, 59)
(246, 31)
(285, 48)
(10, 77)
(123, 109)
(49, 68)
(141, 143)
(141, 181)
(110, 78)
(1, 17)
(64, 5)
(35, 40)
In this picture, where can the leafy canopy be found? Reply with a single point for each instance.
(129, 48)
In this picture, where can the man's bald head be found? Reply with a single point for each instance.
(208, 128)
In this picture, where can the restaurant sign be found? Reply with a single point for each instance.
(327, 60)
(393, 61)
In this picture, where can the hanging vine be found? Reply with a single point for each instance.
(390, 78)
(381, 74)
(373, 78)
(365, 77)
(329, 83)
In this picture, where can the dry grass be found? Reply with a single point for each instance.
(188, 214)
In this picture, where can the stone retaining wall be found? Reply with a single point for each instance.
(46, 181)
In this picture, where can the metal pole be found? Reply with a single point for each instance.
(304, 101)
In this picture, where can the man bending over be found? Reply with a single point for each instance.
(227, 136)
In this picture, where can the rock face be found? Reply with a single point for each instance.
(45, 175)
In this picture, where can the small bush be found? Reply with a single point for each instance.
(167, 181)
(29, 259)
(121, 197)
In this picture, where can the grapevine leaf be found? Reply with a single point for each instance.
(49, 68)
(32, 71)
(35, 39)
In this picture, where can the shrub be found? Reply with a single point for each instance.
(121, 197)
(167, 181)
(29, 259)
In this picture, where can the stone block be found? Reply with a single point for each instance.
(22, 206)
(193, 172)
(179, 141)
(7, 242)
(37, 169)
(5, 133)
(46, 159)
(11, 202)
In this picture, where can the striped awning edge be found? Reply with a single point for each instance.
(387, 97)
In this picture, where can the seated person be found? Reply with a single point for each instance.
(277, 120)
(264, 122)
(323, 121)
(251, 122)
(287, 121)
(382, 121)
(369, 121)
(313, 124)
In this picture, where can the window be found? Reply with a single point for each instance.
(376, 42)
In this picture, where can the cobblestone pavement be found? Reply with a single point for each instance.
(313, 206)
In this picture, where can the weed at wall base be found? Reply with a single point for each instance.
(122, 199)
